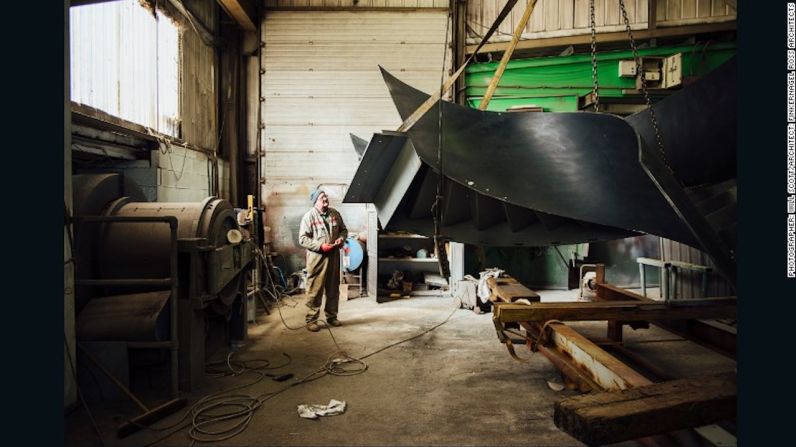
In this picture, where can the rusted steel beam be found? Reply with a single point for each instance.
(618, 310)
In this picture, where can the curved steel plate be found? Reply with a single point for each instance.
(468, 216)
(506, 224)
(579, 165)
(697, 126)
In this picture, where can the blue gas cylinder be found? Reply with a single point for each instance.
(355, 251)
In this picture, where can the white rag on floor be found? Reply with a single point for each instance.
(313, 411)
(483, 288)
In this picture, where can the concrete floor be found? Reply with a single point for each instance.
(456, 385)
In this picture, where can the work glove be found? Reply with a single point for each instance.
(326, 247)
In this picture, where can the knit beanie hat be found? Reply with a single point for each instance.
(314, 195)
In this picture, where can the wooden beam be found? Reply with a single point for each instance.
(509, 290)
(607, 418)
(618, 36)
(575, 375)
(710, 334)
(243, 14)
(515, 38)
(608, 292)
(603, 368)
(630, 310)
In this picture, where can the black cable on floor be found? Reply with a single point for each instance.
(235, 412)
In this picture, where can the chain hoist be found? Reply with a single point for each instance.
(640, 72)
(596, 86)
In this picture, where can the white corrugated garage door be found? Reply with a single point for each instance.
(322, 82)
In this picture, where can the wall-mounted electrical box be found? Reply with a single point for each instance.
(673, 71)
(627, 69)
(659, 72)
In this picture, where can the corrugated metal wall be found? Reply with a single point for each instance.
(125, 63)
(356, 4)
(114, 50)
(198, 100)
(689, 12)
(556, 18)
(321, 83)
(689, 284)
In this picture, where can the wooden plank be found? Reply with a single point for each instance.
(630, 310)
(490, 90)
(599, 273)
(606, 370)
(243, 14)
(582, 381)
(509, 290)
(618, 36)
(607, 418)
(717, 337)
(608, 292)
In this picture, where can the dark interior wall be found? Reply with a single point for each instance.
(535, 267)
(544, 268)
(230, 113)
(199, 72)
(619, 257)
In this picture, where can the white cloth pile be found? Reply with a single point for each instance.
(483, 288)
(314, 411)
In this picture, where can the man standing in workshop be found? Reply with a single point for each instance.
(322, 233)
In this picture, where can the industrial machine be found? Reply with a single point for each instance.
(158, 275)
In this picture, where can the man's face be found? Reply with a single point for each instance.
(322, 202)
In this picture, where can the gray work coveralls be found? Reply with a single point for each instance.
(323, 269)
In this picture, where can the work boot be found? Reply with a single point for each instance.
(334, 322)
(313, 326)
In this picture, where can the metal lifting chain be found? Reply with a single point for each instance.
(639, 70)
(596, 88)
